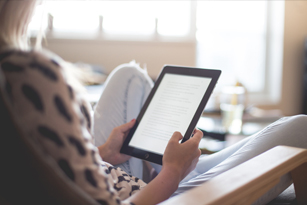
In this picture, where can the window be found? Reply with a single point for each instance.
(166, 18)
(242, 38)
(231, 35)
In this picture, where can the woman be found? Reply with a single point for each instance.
(57, 118)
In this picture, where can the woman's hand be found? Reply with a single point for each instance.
(178, 160)
(182, 158)
(110, 151)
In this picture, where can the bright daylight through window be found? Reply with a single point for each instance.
(233, 36)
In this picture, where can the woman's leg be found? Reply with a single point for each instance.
(124, 93)
(290, 131)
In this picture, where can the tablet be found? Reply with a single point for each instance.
(175, 103)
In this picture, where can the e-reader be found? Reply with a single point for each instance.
(175, 103)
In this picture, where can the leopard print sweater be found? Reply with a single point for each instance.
(58, 119)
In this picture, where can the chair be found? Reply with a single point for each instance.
(250, 180)
(28, 176)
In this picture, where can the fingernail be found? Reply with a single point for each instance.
(132, 120)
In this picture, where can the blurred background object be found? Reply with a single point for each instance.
(232, 105)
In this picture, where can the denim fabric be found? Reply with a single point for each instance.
(125, 91)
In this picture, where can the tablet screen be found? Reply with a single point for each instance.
(171, 109)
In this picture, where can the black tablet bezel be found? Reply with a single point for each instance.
(190, 71)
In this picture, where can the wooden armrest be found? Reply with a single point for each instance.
(248, 181)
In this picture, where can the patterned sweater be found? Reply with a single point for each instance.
(58, 119)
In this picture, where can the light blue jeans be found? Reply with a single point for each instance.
(124, 94)
(127, 88)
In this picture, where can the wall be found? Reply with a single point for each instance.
(294, 36)
(110, 54)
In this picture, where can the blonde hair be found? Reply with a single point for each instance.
(15, 16)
